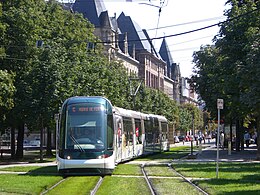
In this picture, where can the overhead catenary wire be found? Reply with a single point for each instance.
(23, 46)
(161, 37)
(191, 31)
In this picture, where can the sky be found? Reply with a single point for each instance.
(176, 17)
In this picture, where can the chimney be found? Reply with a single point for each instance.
(126, 44)
(134, 51)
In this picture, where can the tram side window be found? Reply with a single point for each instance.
(138, 131)
(128, 131)
(148, 131)
(156, 130)
(110, 132)
(164, 131)
(62, 130)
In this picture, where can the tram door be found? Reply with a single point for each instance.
(118, 138)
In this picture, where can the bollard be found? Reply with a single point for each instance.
(200, 148)
(229, 147)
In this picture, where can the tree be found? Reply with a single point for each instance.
(61, 67)
(7, 88)
(225, 67)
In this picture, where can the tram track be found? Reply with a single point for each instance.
(55, 185)
(187, 180)
(178, 175)
(95, 189)
(158, 178)
(149, 183)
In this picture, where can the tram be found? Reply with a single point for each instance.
(93, 136)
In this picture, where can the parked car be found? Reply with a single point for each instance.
(176, 139)
(26, 142)
(31, 144)
(181, 138)
(35, 143)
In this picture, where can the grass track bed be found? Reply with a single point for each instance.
(160, 170)
(128, 169)
(173, 186)
(123, 186)
(75, 186)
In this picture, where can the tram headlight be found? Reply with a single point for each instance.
(103, 156)
(68, 157)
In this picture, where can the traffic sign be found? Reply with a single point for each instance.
(220, 104)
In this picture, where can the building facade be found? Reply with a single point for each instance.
(126, 42)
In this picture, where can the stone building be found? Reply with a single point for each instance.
(125, 41)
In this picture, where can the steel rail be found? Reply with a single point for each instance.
(147, 180)
(187, 180)
(59, 182)
(94, 191)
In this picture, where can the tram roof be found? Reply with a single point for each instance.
(159, 117)
(136, 114)
(129, 113)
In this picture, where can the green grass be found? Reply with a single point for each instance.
(173, 186)
(127, 169)
(75, 186)
(31, 156)
(33, 169)
(159, 170)
(123, 185)
(26, 184)
(174, 153)
(234, 178)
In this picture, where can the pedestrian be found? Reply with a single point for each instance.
(255, 137)
(247, 138)
(222, 138)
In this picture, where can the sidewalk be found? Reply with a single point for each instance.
(209, 154)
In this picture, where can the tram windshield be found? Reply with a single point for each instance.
(85, 127)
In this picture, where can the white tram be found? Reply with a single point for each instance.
(93, 136)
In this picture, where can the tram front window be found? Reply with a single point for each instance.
(86, 126)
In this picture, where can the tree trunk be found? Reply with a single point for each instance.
(48, 147)
(41, 145)
(238, 135)
(12, 142)
(258, 137)
(20, 137)
(231, 134)
(242, 133)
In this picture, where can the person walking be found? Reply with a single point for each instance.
(222, 138)
(247, 138)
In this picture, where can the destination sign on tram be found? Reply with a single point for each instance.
(85, 109)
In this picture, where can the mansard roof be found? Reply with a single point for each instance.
(114, 24)
(91, 9)
(173, 69)
(165, 53)
(135, 34)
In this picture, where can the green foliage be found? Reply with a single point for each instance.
(157, 102)
(229, 69)
(185, 120)
(7, 90)
(63, 66)
(190, 115)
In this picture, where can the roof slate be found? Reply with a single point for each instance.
(135, 34)
(91, 9)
